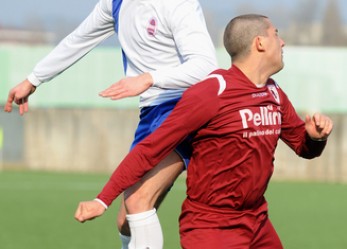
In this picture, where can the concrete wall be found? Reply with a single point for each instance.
(93, 140)
(331, 166)
(96, 140)
(70, 128)
(11, 138)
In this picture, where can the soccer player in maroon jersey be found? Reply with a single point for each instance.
(235, 118)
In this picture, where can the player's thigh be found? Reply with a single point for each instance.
(145, 193)
(237, 238)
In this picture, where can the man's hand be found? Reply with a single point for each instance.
(128, 87)
(319, 126)
(20, 95)
(88, 210)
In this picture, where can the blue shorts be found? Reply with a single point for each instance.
(151, 118)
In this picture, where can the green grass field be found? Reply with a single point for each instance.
(37, 209)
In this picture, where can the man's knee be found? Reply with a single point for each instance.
(150, 190)
(142, 199)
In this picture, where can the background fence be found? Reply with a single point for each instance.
(70, 128)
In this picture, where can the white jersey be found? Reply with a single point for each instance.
(167, 38)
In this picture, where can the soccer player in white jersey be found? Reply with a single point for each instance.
(166, 49)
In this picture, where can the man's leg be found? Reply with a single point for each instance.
(122, 222)
(141, 200)
(123, 226)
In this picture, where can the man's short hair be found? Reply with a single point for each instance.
(240, 32)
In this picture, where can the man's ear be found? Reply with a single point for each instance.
(259, 43)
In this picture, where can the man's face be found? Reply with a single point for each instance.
(274, 45)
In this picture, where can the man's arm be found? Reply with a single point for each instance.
(92, 31)
(95, 28)
(307, 138)
(197, 106)
(194, 46)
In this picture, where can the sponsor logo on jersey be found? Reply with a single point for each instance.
(152, 27)
(262, 116)
(259, 95)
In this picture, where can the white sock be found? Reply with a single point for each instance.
(145, 230)
(125, 240)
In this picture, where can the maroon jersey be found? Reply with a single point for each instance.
(235, 127)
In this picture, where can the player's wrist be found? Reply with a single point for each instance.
(33, 80)
(148, 79)
(318, 139)
(101, 202)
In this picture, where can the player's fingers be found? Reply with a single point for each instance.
(328, 127)
(108, 93)
(8, 105)
(309, 122)
(322, 123)
(320, 120)
(26, 105)
(122, 95)
(23, 106)
(21, 109)
(115, 87)
(325, 123)
(114, 94)
(307, 119)
(79, 213)
(315, 119)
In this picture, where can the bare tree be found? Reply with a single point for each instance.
(302, 30)
(332, 26)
